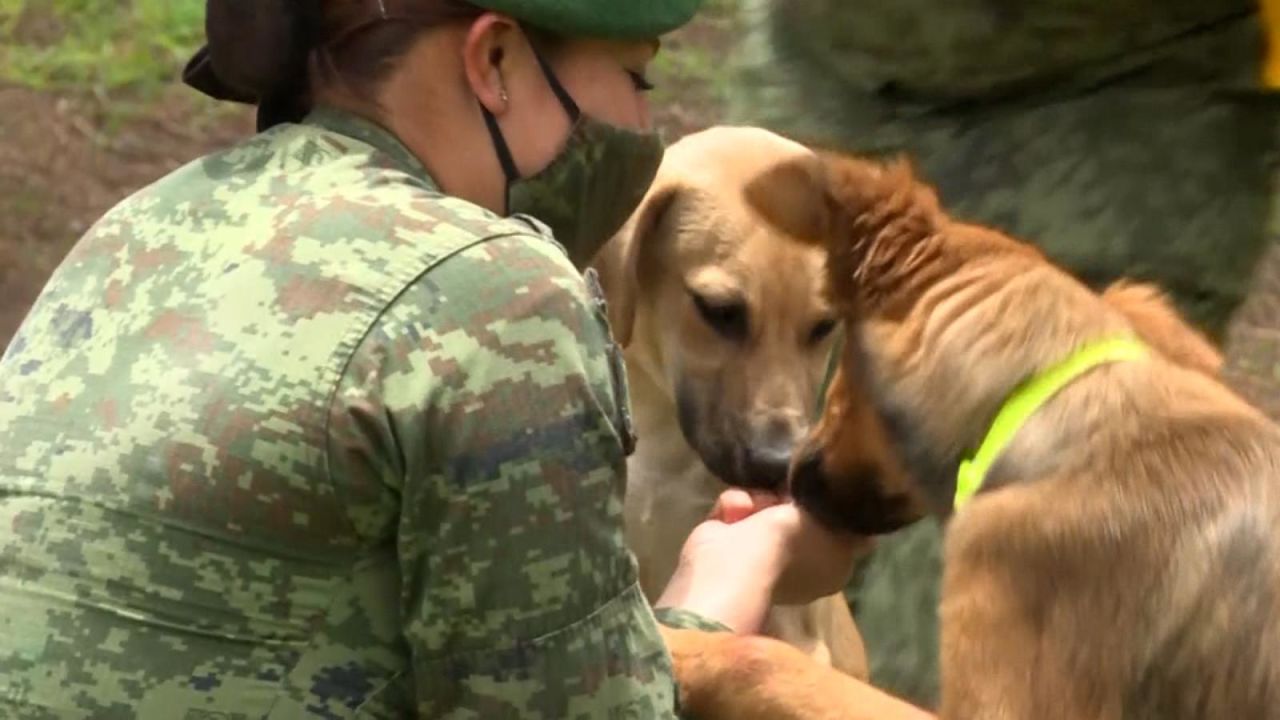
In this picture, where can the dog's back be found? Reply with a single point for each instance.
(1208, 639)
(1130, 533)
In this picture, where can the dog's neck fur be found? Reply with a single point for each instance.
(952, 317)
(938, 419)
(936, 301)
(1034, 316)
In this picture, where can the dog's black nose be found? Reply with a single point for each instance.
(807, 471)
(855, 502)
(767, 466)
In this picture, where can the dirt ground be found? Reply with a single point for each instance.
(66, 157)
(61, 167)
(64, 160)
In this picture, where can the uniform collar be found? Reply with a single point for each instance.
(372, 134)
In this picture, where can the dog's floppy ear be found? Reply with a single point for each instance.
(1158, 324)
(873, 217)
(811, 195)
(619, 263)
(795, 197)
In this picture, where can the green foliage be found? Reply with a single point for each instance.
(98, 45)
(107, 45)
(692, 68)
(674, 72)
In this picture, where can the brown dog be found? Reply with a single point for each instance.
(1122, 559)
(726, 335)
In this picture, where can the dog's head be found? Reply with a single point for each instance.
(717, 311)
(945, 319)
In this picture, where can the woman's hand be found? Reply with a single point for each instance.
(754, 551)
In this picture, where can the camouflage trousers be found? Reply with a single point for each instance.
(1163, 172)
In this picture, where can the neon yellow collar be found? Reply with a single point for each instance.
(1028, 397)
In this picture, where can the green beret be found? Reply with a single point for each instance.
(614, 19)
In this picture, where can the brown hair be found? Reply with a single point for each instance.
(357, 42)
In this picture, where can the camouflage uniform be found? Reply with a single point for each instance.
(1125, 137)
(290, 434)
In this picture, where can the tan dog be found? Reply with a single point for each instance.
(1122, 559)
(726, 337)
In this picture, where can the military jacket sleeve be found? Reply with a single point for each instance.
(484, 407)
(682, 619)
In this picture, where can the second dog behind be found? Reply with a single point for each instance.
(1120, 557)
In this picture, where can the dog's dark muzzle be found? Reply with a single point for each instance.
(855, 502)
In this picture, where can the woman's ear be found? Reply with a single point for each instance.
(489, 43)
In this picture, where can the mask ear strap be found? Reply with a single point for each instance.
(504, 156)
(500, 145)
(562, 95)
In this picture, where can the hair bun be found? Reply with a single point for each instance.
(256, 47)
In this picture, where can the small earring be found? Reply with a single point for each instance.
(502, 94)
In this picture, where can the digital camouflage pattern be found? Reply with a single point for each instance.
(290, 434)
(589, 191)
(1126, 137)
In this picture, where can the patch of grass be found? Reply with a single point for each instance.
(720, 7)
(126, 52)
(107, 45)
(675, 72)
(97, 45)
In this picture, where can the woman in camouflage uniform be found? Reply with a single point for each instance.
(329, 424)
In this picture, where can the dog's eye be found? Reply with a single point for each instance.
(821, 331)
(726, 318)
